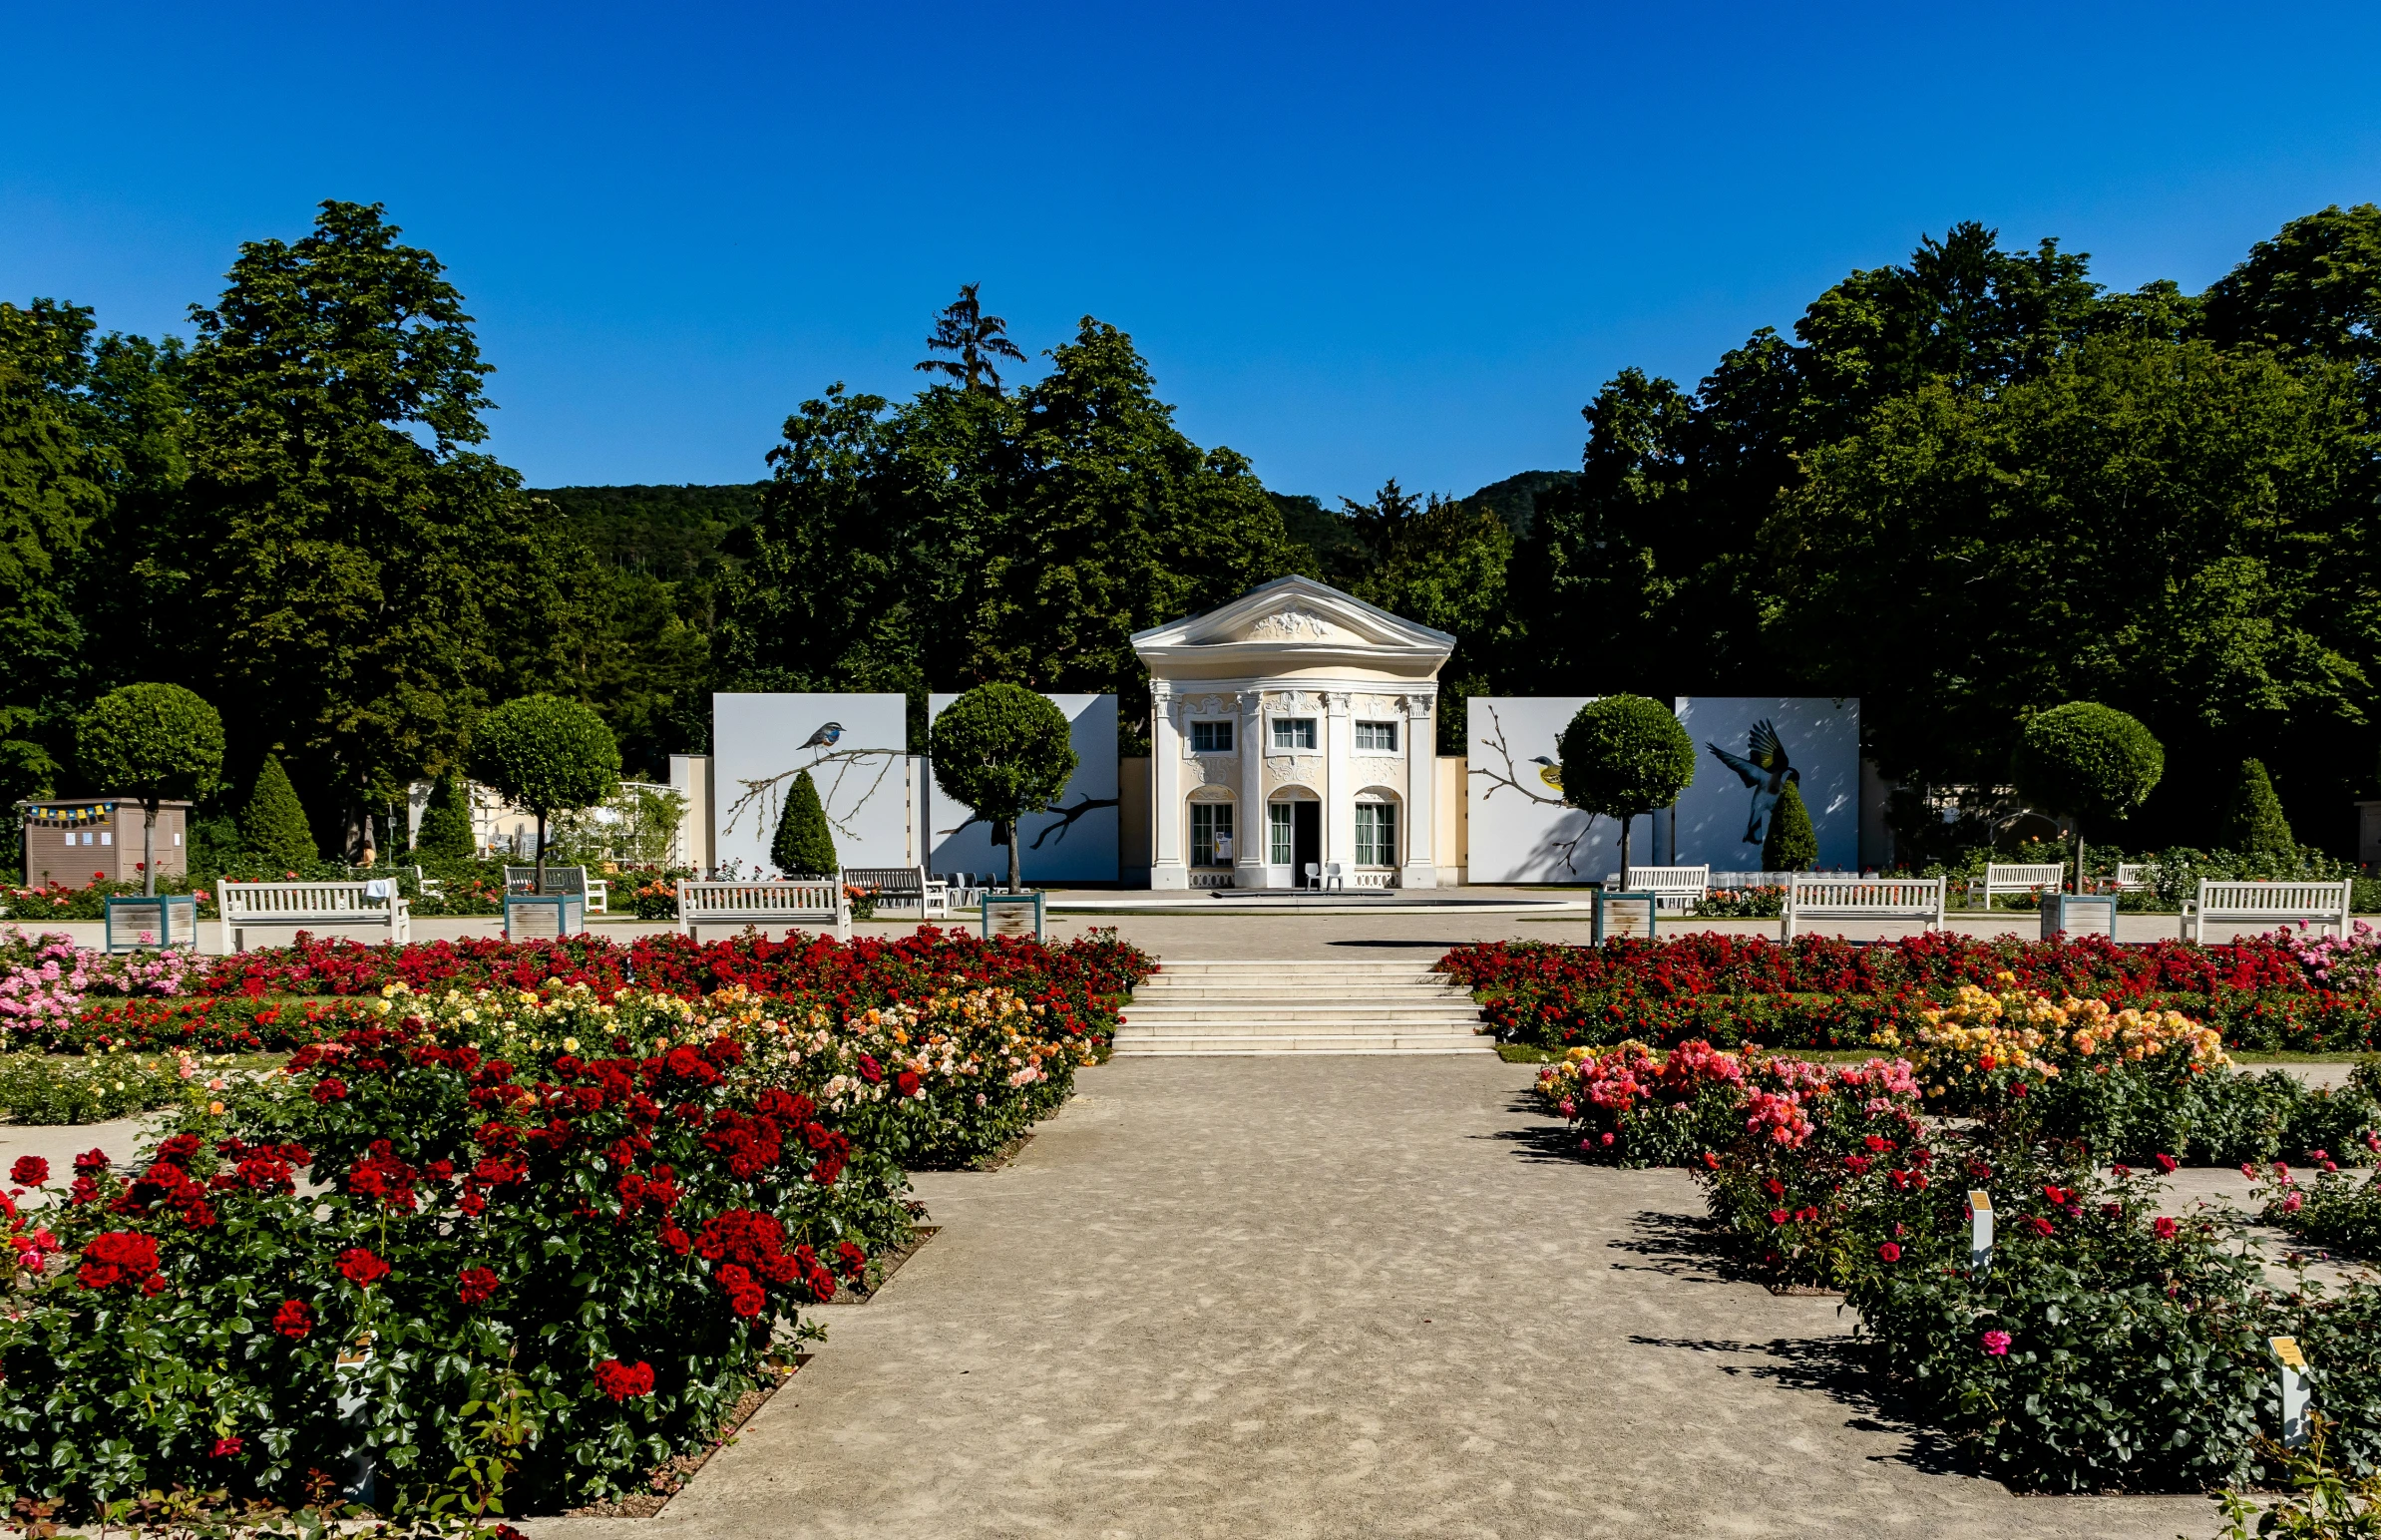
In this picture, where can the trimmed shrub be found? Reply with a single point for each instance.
(1792, 845)
(446, 832)
(805, 845)
(273, 824)
(2253, 824)
(151, 743)
(1625, 755)
(545, 754)
(1005, 751)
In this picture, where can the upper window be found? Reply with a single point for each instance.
(1211, 737)
(1292, 732)
(1376, 737)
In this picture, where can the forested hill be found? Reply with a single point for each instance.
(671, 533)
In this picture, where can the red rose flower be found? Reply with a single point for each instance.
(295, 1319)
(224, 1448)
(2165, 1227)
(623, 1380)
(1889, 1251)
(29, 1171)
(329, 1089)
(906, 1082)
(360, 1268)
(119, 1256)
(473, 1285)
(871, 1070)
(2167, 1164)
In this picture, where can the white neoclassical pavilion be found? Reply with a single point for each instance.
(1292, 731)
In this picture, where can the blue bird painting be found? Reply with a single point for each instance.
(1766, 770)
(825, 737)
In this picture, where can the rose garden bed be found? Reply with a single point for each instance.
(515, 1224)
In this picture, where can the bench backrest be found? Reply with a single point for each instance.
(1674, 879)
(1998, 875)
(267, 901)
(758, 900)
(559, 879)
(888, 879)
(2232, 898)
(1866, 894)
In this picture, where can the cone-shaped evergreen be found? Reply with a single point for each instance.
(805, 846)
(273, 824)
(2254, 823)
(1792, 845)
(445, 824)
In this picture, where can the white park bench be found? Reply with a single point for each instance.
(903, 888)
(2016, 880)
(246, 906)
(2265, 904)
(1676, 889)
(816, 902)
(1809, 898)
(2132, 875)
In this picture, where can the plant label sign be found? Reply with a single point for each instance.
(1980, 1235)
(1625, 914)
(1013, 914)
(2294, 1398)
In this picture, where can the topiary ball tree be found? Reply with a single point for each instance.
(1005, 751)
(2254, 823)
(1792, 845)
(805, 845)
(151, 743)
(2087, 762)
(545, 754)
(1622, 756)
(273, 824)
(446, 822)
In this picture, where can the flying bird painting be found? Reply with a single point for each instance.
(1765, 770)
(825, 737)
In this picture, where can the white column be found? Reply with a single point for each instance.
(1338, 785)
(1168, 862)
(1251, 840)
(1420, 867)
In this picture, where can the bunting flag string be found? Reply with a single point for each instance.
(68, 816)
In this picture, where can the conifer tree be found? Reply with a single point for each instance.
(1792, 845)
(273, 824)
(805, 846)
(2254, 823)
(446, 822)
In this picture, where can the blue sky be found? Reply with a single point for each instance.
(1354, 241)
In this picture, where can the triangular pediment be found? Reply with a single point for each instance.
(1296, 615)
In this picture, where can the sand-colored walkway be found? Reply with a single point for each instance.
(1334, 1298)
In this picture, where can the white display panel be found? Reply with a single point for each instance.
(1720, 819)
(1520, 831)
(1077, 844)
(864, 775)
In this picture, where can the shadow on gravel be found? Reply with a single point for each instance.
(1687, 1246)
(1386, 942)
(1837, 1368)
(1542, 1141)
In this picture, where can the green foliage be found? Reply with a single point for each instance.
(545, 754)
(273, 824)
(446, 832)
(1005, 751)
(1623, 755)
(1441, 562)
(72, 1088)
(1792, 845)
(151, 742)
(2087, 761)
(2253, 823)
(804, 846)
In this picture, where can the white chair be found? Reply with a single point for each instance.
(1334, 875)
(1313, 877)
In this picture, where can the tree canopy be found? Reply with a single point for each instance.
(545, 754)
(1005, 751)
(151, 743)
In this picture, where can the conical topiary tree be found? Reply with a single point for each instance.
(1792, 845)
(446, 822)
(2254, 823)
(273, 824)
(805, 846)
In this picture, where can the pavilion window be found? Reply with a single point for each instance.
(1211, 833)
(1376, 834)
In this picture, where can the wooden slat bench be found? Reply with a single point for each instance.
(817, 903)
(1677, 889)
(2274, 904)
(903, 888)
(2132, 875)
(293, 907)
(2016, 881)
(1811, 897)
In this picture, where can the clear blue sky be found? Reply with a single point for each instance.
(1354, 241)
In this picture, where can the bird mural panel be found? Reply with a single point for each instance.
(1766, 770)
(825, 737)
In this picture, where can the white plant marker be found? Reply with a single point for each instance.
(1980, 1237)
(2294, 1363)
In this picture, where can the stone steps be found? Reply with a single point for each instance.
(1212, 1008)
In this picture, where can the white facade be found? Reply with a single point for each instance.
(1292, 728)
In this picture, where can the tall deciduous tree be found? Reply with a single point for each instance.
(352, 548)
(1443, 563)
(151, 743)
